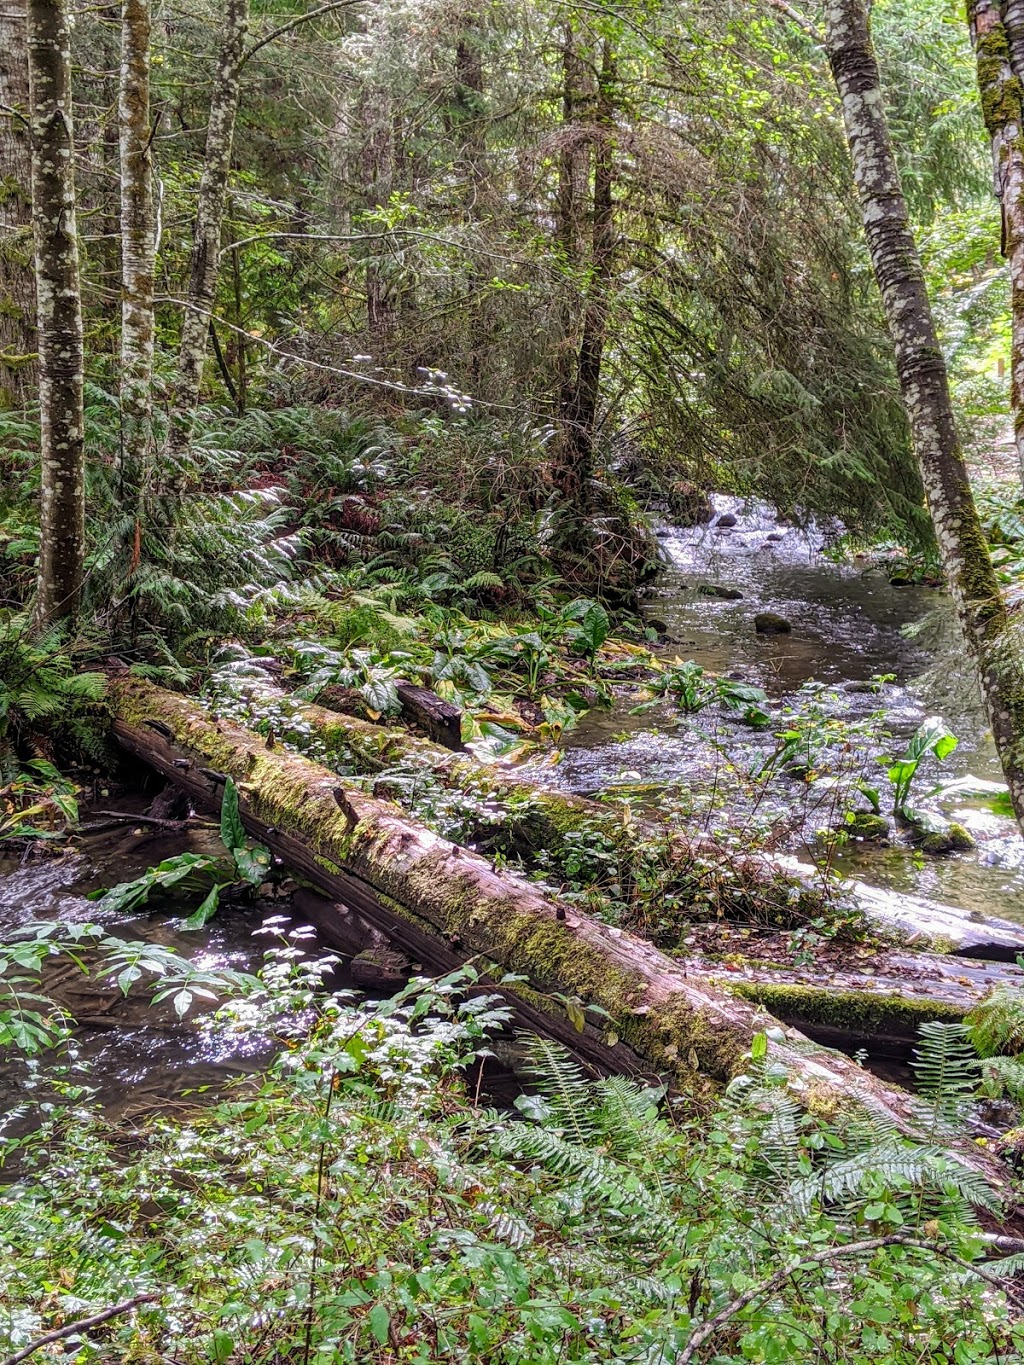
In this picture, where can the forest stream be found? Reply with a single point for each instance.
(848, 626)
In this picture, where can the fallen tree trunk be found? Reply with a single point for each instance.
(775, 890)
(442, 905)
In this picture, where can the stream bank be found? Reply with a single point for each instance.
(849, 625)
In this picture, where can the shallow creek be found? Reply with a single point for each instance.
(140, 1057)
(848, 625)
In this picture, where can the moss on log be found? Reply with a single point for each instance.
(440, 904)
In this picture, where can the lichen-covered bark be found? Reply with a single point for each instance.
(18, 360)
(62, 450)
(138, 252)
(213, 188)
(683, 1025)
(994, 638)
(1000, 89)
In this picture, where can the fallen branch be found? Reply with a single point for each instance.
(79, 1325)
(441, 905)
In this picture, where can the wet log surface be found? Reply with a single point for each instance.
(438, 719)
(441, 905)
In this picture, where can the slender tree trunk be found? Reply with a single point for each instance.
(999, 85)
(18, 360)
(378, 163)
(994, 638)
(138, 252)
(213, 187)
(62, 504)
(468, 122)
(581, 394)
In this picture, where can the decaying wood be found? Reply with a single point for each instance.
(770, 886)
(441, 905)
(439, 719)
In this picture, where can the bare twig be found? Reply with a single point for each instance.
(79, 1325)
(794, 16)
(768, 1286)
(294, 23)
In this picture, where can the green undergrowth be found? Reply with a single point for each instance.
(357, 1202)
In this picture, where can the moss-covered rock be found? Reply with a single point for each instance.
(866, 825)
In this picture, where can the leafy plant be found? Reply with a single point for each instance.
(932, 737)
(590, 629)
(248, 865)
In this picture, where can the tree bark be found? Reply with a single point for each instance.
(62, 448)
(580, 396)
(1000, 65)
(138, 254)
(994, 638)
(18, 359)
(213, 188)
(440, 904)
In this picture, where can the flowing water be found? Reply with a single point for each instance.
(139, 1056)
(849, 624)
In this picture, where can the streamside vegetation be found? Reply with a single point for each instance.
(356, 360)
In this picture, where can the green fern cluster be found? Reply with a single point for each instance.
(41, 689)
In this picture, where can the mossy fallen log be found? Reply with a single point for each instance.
(441, 905)
(769, 889)
(539, 817)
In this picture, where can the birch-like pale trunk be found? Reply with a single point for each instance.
(62, 447)
(999, 86)
(213, 189)
(994, 638)
(138, 254)
(18, 360)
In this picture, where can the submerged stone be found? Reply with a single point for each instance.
(718, 590)
(771, 623)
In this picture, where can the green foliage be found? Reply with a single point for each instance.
(947, 1070)
(247, 864)
(40, 686)
(931, 738)
(692, 689)
(598, 1226)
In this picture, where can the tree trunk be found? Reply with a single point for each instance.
(778, 891)
(18, 359)
(439, 904)
(62, 449)
(581, 387)
(213, 187)
(994, 638)
(999, 86)
(138, 252)
(378, 167)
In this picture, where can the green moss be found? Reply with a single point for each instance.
(863, 1012)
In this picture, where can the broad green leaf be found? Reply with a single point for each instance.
(231, 829)
(207, 910)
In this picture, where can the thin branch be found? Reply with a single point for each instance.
(768, 1286)
(79, 1325)
(294, 23)
(360, 378)
(349, 237)
(805, 26)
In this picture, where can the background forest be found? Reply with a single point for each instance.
(510, 271)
